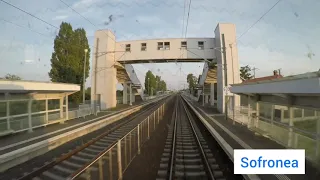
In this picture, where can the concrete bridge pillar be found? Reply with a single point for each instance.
(130, 94)
(104, 74)
(227, 63)
(125, 93)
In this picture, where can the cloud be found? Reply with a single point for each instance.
(275, 42)
(149, 20)
(84, 4)
(61, 17)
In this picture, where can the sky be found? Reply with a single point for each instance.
(283, 38)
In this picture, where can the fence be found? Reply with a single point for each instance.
(20, 122)
(292, 127)
(112, 163)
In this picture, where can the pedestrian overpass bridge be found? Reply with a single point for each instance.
(112, 63)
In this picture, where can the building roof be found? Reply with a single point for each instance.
(263, 78)
(307, 83)
(36, 86)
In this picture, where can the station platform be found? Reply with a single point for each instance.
(240, 137)
(19, 140)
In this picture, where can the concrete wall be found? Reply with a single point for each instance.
(232, 63)
(175, 51)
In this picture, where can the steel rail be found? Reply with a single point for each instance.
(68, 155)
(174, 118)
(204, 158)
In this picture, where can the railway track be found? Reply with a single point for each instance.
(186, 154)
(66, 165)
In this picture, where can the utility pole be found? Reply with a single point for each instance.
(224, 66)
(234, 98)
(254, 71)
(148, 87)
(84, 76)
(95, 79)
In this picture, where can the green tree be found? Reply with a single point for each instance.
(88, 93)
(192, 81)
(158, 80)
(245, 72)
(150, 83)
(68, 58)
(162, 85)
(12, 77)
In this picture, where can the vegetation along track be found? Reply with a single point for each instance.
(62, 167)
(186, 154)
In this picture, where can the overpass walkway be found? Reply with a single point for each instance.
(240, 137)
(16, 141)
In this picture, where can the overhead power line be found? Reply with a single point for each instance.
(29, 14)
(78, 13)
(21, 26)
(188, 18)
(184, 14)
(258, 19)
(33, 17)
(30, 29)
(83, 17)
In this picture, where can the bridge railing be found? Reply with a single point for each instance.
(112, 162)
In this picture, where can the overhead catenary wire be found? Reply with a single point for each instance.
(46, 22)
(30, 14)
(258, 19)
(188, 19)
(78, 13)
(83, 17)
(184, 14)
(33, 30)
(21, 26)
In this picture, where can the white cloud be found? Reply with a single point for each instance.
(150, 20)
(84, 4)
(61, 17)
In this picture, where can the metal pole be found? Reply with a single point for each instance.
(148, 127)
(95, 79)
(138, 138)
(130, 146)
(125, 151)
(203, 95)
(119, 160)
(130, 102)
(100, 168)
(234, 97)
(29, 115)
(154, 120)
(8, 114)
(84, 76)
(148, 86)
(110, 164)
(225, 73)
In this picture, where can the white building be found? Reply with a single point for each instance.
(112, 59)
